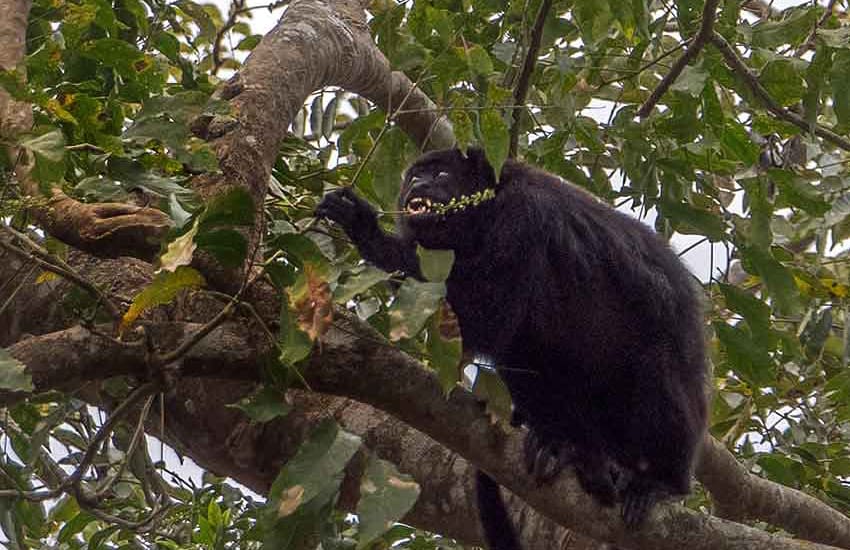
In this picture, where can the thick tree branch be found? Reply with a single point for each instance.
(699, 41)
(356, 362)
(108, 229)
(740, 496)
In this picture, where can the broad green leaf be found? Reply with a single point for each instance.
(777, 278)
(835, 38)
(163, 289)
(692, 220)
(385, 497)
(227, 246)
(494, 138)
(840, 79)
(294, 343)
(691, 81)
(436, 265)
(267, 404)
(798, 192)
(394, 152)
(755, 312)
(783, 81)
(444, 354)
(490, 388)
(48, 150)
(748, 359)
(359, 282)
(415, 303)
(233, 207)
(793, 29)
(737, 144)
(303, 495)
(13, 374)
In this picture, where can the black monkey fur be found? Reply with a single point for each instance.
(593, 322)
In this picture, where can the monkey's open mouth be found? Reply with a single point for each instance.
(421, 205)
(418, 206)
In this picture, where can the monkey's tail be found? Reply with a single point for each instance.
(498, 531)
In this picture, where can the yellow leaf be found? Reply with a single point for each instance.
(312, 301)
(180, 250)
(162, 290)
(46, 276)
(290, 500)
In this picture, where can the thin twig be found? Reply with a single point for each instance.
(131, 448)
(752, 81)
(56, 265)
(524, 81)
(697, 44)
(648, 65)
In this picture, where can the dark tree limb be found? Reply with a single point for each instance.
(699, 41)
(356, 362)
(524, 81)
(752, 81)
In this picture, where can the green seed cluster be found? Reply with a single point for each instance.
(463, 202)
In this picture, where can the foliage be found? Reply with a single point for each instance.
(765, 204)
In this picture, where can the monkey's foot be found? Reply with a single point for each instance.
(596, 476)
(639, 496)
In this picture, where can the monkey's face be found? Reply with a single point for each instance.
(443, 193)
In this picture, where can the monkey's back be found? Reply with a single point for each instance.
(606, 348)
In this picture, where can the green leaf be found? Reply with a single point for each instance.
(200, 17)
(394, 152)
(358, 283)
(227, 246)
(691, 81)
(798, 192)
(736, 142)
(294, 343)
(777, 278)
(233, 207)
(48, 150)
(162, 290)
(267, 404)
(783, 81)
(748, 359)
(835, 38)
(494, 138)
(13, 374)
(385, 497)
(792, 30)
(840, 79)
(444, 355)
(415, 303)
(755, 312)
(490, 388)
(692, 220)
(249, 42)
(436, 265)
(77, 524)
(302, 497)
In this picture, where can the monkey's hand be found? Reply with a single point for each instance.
(360, 221)
(356, 216)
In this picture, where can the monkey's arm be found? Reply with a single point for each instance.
(360, 222)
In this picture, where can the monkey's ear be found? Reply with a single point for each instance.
(481, 166)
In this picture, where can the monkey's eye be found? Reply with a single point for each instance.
(441, 175)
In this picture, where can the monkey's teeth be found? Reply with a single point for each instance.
(418, 205)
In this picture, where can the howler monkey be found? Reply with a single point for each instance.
(593, 322)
